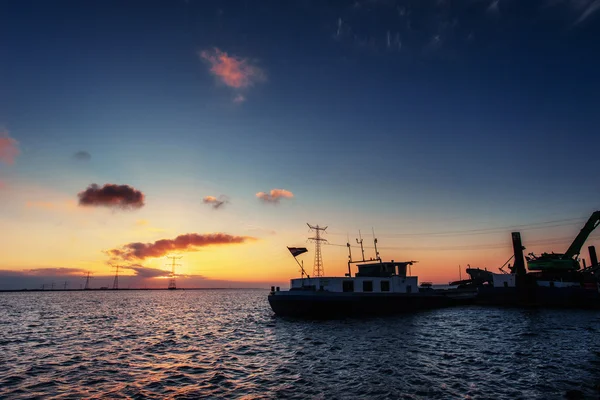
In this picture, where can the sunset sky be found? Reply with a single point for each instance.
(215, 130)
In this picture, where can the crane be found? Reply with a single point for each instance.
(568, 260)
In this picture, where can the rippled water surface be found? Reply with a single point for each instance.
(193, 344)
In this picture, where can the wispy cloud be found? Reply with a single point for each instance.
(54, 271)
(82, 156)
(148, 272)
(9, 149)
(235, 72)
(187, 242)
(584, 9)
(216, 203)
(240, 98)
(113, 196)
(494, 7)
(260, 229)
(52, 205)
(588, 10)
(274, 196)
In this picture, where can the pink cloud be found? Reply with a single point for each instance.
(8, 148)
(187, 242)
(275, 195)
(233, 71)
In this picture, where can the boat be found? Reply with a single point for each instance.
(553, 280)
(377, 288)
(478, 277)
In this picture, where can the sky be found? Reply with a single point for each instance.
(215, 131)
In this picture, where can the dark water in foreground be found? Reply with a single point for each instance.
(192, 344)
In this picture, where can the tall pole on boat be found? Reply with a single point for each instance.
(318, 267)
(296, 251)
(361, 245)
(349, 257)
(375, 243)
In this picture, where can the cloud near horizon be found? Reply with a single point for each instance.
(187, 242)
(9, 148)
(112, 196)
(274, 196)
(19, 280)
(216, 203)
(47, 271)
(147, 272)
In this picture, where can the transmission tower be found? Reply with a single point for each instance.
(172, 285)
(87, 282)
(116, 281)
(318, 267)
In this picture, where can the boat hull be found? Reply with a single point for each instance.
(328, 305)
(568, 297)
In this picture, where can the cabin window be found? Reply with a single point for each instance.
(367, 286)
(408, 289)
(505, 284)
(348, 286)
(385, 286)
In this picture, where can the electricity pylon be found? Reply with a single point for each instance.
(318, 267)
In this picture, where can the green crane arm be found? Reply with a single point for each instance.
(589, 226)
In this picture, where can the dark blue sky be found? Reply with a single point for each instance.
(474, 110)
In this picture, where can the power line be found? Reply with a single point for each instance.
(487, 246)
(470, 232)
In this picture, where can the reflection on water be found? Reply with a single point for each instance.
(191, 344)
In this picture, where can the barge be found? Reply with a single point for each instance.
(553, 280)
(378, 288)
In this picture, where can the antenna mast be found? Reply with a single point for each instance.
(172, 285)
(361, 245)
(318, 267)
(349, 256)
(375, 243)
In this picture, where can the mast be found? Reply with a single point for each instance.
(375, 243)
(349, 257)
(361, 245)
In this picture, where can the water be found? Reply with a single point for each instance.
(227, 343)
